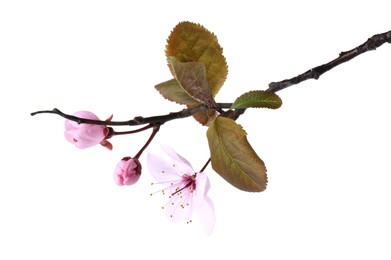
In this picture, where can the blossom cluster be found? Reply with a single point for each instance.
(186, 190)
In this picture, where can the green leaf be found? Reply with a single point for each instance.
(172, 91)
(258, 98)
(192, 78)
(233, 157)
(190, 42)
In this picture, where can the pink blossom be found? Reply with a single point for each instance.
(86, 135)
(127, 171)
(187, 191)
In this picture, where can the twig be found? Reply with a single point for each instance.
(314, 73)
(139, 120)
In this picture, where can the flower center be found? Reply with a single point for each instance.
(189, 182)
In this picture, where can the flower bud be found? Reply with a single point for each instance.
(86, 135)
(127, 171)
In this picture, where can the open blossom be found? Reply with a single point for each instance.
(187, 191)
(86, 135)
(127, 171)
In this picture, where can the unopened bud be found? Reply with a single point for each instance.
(127, 171)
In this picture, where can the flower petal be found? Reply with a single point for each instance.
(184, 166)
(162, 171)
(86, 114)
(85, 136)
(203, 205)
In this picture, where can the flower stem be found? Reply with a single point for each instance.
(206, 164)
(156, 128)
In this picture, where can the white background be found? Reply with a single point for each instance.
(327, 149)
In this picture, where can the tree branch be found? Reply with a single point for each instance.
(139, 120)
(314, 73)
(371, 44)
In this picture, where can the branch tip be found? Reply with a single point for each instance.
(371, 44)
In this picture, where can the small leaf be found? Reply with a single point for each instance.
(190, 42)
(233, 157)
(172, 91)
(258, 98)
(192, 78)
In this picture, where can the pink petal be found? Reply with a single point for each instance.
(109, 118)
(171, 152)
(162, 171)
(182, 165)
(118, 179)
(206, 214)
(85, 135)
(86, 114)
(203, 205)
